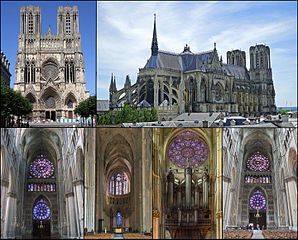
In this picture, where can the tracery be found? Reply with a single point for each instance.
(257, 201)
(258, 162)
(187, 148)
(41, 168)
(119, 184)
(41, 211)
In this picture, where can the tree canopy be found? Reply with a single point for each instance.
(13, 103)
(128, 114)
(87, 108)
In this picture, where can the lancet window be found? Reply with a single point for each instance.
(119, 184)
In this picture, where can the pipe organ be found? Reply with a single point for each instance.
(187, 200)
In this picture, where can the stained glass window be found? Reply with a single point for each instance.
(257, 201)
(41, 168)
(41, 211)
(118, 219)
(257, 179)
(41, 187)
(119, 184)
(258, 162)
(187, 148)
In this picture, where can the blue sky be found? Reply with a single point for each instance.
(124, 35)
(10, 29)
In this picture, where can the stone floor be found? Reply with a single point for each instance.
(118, 236)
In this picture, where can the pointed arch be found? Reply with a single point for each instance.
(50, 98)
(70, 100)
(31, 97)
(42, 208)
(263, 192)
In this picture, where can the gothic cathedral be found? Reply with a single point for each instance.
(50, 68)
(174, 83)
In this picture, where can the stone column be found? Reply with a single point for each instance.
(188, 175)
(205, 189)
(289, 205)
(9, 228)
(162, 92)
(79, 186)
(156, 92)
(71, 209)
(231, 209)
(170, 90)
(69, 76)
(170, 189)
(30, 74)
(284, 199)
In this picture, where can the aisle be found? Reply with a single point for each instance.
(257, 234)
(118, 236)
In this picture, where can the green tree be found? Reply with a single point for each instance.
(128, 114)
(154, 115)
(13, 103)
(87, 108)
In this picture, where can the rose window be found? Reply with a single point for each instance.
(41, 167)
(258, 162)
(188, 149)
(257, 201)
(41, 211)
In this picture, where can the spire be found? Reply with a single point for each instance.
(114, 85)
(127, 84)
(154, 46)
(111, 84)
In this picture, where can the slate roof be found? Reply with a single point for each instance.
(236, 71)
(144, 103)
(210, 117)
(188, 61)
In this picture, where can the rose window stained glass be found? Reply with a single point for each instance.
(50, 70)
(50, 102)
(41, 211)
(257, 201)
(258, 162)
(188, 148)
(41, 168)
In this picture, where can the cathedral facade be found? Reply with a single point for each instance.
(175, 83)
(50, 69)
(260, 178)
(42, 182)
(187, 183)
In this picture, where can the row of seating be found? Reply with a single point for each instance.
(136, 236)
(237, 234)
(100, 236)
(279, 234)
